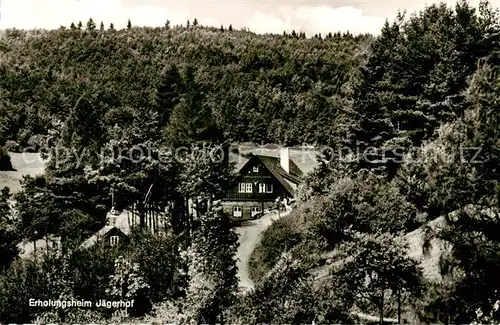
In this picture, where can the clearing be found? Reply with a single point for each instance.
(27, 163)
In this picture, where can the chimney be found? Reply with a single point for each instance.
(285, 159)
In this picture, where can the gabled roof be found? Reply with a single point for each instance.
(98, 235)
(274, 166)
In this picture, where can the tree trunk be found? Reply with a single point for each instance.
(399, 307)
(382, 308)
(142, 215)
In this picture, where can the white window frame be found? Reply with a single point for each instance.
(269, 188)
(255, 210)
(114, 240)
(249, 187)
(242, 188)
(238, 209)
(262, 187)
(255, 169)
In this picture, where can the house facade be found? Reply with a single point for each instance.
(114, 233)
(261, 181)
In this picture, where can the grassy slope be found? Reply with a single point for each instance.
(23, 164)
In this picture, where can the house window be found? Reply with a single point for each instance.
(255, 169)
(262, 188)
(255, 210)
(237, 212)
(114, 240)
(249, 187)
(242, 188)
(269, 188)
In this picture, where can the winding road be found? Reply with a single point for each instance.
(249, 234)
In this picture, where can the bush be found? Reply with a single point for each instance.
(5, 163)
(282, 235)
(12, 146)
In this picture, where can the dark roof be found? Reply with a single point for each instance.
(274, 166)
(100, 234)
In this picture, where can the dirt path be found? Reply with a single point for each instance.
(249, 236)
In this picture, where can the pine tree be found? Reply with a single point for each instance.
(167, 24)
(102, 26)
(168, 92)
(191, 119)
(129, 24)
(111, 26)
(195, 22)
(230, 28)
(374, 125)
(188, 24)
(80, 25)
(221, 28)
(90, 24)
(72, 26)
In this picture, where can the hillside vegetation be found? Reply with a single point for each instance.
(415, 111)
(258, 88)
(426, 109)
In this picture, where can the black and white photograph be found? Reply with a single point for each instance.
(241, 162)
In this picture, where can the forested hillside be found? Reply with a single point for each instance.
(414, 113)
(260, 88)
(424, 144)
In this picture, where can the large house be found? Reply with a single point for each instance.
(262, 180)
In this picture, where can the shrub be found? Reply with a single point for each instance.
(282, 235)
(5, 163)
(12, 146)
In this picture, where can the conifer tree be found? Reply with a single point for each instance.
(91, 24)
(230, 28)
(129, 24)
(80, 25)
(111, 26)
(102, 26)
(195, 22)
(72, 26)
(191, 119)
(167, 24)
(168, 92)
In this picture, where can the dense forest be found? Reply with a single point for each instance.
(414, 113)
(258, 88)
